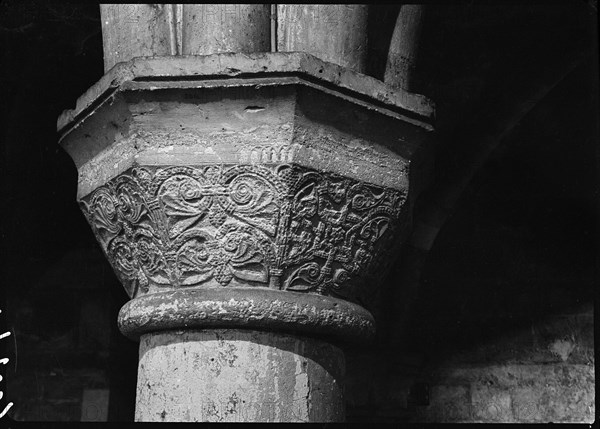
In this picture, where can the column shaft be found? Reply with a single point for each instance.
(148, 30)
(213, 28)
(399, 71)
(232, 375)
(333, 32)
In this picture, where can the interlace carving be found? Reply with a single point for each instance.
(280, 226)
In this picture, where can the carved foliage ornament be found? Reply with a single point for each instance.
(285, 227)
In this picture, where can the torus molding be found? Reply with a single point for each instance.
(283, 227)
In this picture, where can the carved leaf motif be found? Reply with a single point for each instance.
(254, 272)
(304, 278)
(342, 284)
(151, 260)
(340, 276)
(102, 213)
(306, 202)
(365, 197)
(255, 201)
(125, 265)
(131, 202)
(245, 254)
(122, 254)
(375, 228)
(184, 203)
(193, 262)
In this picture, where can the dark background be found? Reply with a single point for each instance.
(519, 249)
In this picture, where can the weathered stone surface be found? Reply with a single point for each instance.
(512, 393)
(190, 179)
(211, 28)
(490, 404)
(258, 192)
(238, 376)
(402, 56)
(450, 404)
(249, 308)
(135, 30)
(286, 123)
(148, 30)
(229, 65)
(336, 33)
(277, 226)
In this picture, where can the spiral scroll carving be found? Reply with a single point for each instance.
(284, 227)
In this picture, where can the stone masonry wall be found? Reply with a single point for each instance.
(501, 327)
(544, 373)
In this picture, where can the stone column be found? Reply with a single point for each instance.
(333, 32)
(248, 204)
(148, 30)
(404, 46)
(238, 375)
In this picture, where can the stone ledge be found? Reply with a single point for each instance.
(229, 65)
(247, 308)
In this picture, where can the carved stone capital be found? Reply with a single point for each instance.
(261, 191)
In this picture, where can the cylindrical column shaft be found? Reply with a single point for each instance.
(214, 28)
(229, 375)
(332, 32)
(135, 30)
(146, 30)
(404, 47)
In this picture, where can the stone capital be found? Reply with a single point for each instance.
(261, 191)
